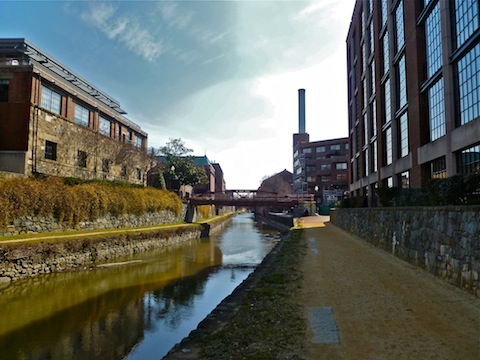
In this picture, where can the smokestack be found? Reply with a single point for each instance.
(301, 111)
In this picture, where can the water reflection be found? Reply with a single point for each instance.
(138, 309)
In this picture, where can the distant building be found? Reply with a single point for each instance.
(56, 123)
(319, 167)
(413, 92)
(281, 183)
(214, 172)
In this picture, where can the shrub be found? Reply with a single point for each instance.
(73, 200)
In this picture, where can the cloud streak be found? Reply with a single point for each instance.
(124, 29)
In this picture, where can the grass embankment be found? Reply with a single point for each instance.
(269, 323)
(73, 202)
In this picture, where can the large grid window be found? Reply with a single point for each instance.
(366, 162)
(466, 19)
(403, 131)
(388, 146)
(105, 126)
(469, 160)
(370, 38)
(399, 27)
(386, 55)
(51, 100)
(373, 119)
(365, 129)
(438, 168)
(434, 41)
(402, 82)
(469, 85)
(374, 157)
(364, 58)
(384, 12)
(82, 115)
(388, 102)
(365, 94)
(372, 78)
(436, 110)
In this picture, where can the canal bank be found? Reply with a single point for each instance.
(325, 294)
(24, 257)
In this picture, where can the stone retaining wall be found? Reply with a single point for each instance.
(22, 260)
(34, 224)
(442, 240)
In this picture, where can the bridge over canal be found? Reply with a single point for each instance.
(251, 198)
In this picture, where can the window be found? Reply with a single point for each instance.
(346, 146)
(438, 168)
(466, 19)
(81, 158)
(399, 27)
(335, 147)
(4, 90)
(469, 160)
(325, 167)
(341, 177)
(388, 102)
(374, 157)
(402, 83)
(384, 12)
(320, 149)
(82, 115)
(365, 129)
(106, 165)
(386, 54)
(469, 85)
(105, 126)
(436, 110)
(434, 41)
(310, 169)
(51, 100)
(138, 141)
(404, 180)
(366, 162)
(138, 174)
(373, 118)
(370, 38)
(390, 182)
(124, 170)
(365, 95)
(307, 151)
(403, 131)
(50, 150)
(341, 166)
(325, 178)
(388, 146)
(372, 78)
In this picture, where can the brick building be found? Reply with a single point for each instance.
(54, 122)
(413, 92)
(320, 168)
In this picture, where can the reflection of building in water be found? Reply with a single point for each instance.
(102, 314)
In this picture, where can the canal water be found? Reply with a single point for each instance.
(136, 308)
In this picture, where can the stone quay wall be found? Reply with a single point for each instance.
(442, 240)
(34, 224)
(23, 260)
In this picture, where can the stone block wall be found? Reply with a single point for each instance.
(34, 224)
(442, 240)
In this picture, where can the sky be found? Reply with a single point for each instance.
(221, 75)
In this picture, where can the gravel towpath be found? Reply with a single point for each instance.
(376, 306)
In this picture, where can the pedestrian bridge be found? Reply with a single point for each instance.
(250, 198)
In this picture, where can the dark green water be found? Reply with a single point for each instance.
(137, 309)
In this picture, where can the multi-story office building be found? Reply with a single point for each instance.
(413, 92)
(320, 168)
(56, 123)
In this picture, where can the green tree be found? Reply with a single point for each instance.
(181, 166)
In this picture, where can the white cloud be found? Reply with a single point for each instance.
(126, 29)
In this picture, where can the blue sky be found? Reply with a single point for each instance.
(222, 75)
